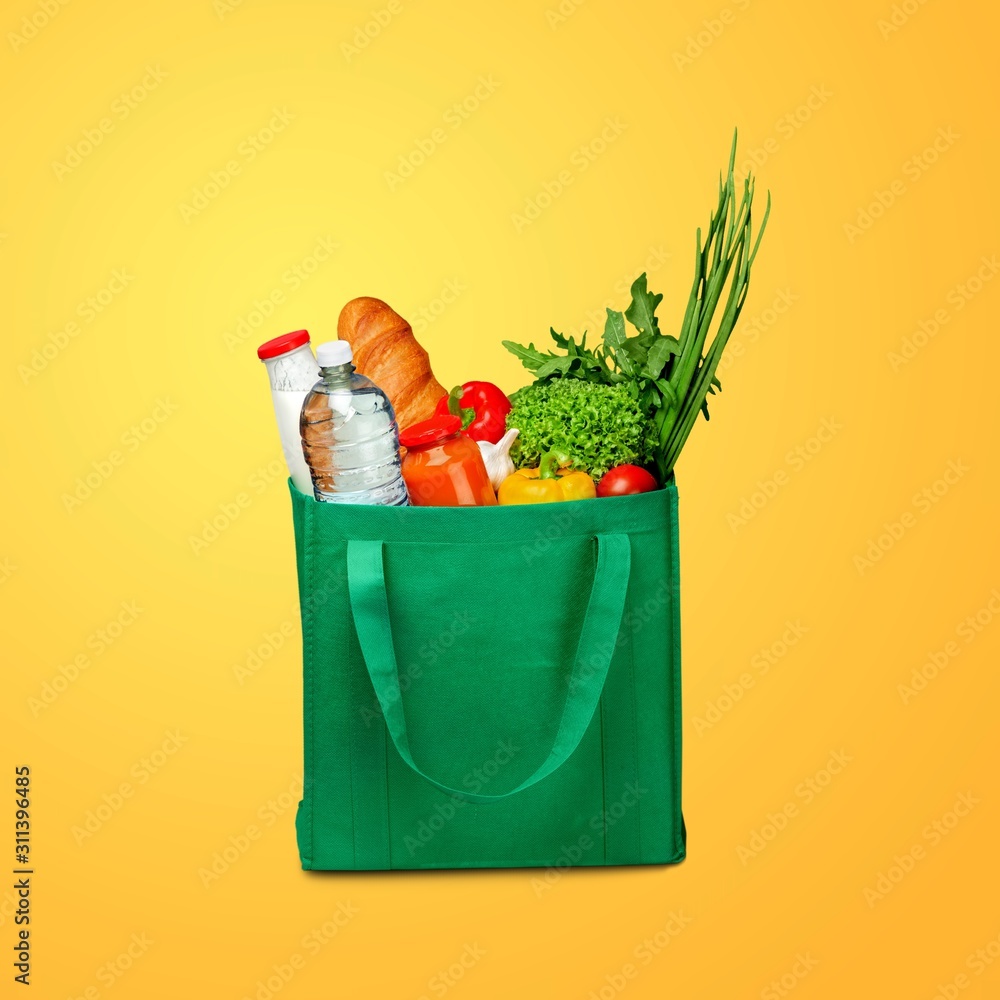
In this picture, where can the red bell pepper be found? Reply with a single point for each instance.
(483, 408)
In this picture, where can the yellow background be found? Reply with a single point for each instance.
(214, 75)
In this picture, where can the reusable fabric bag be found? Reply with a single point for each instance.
(490, 686)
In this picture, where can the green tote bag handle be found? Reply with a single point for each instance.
(598, 638)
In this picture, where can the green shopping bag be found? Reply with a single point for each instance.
(490, 686)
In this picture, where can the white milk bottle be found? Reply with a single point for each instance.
(293, 371)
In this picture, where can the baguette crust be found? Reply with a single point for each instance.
(387, 352)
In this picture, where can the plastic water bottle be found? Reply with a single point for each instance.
(349, 435)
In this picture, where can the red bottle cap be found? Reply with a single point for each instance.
(429, 431)
(283, 344)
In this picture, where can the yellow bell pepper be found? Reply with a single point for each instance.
(546, 484)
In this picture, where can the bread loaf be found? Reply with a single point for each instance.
(387, 352)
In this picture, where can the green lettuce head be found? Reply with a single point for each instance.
(597, 426)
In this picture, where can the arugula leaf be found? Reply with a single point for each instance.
(641, 313)
(663, 349)
(530, 357)
(555, 364)
(636, 350)
(649, 397)
(667, 389)
(614, 338)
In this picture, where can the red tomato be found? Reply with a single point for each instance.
(624, 480)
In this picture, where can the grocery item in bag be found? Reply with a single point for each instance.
(349, 434)
(293, 371)
(387, 352)
(443, 467)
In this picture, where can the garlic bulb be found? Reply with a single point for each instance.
(497, 459)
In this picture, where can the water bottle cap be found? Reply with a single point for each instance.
(283, 344)
(333, 352)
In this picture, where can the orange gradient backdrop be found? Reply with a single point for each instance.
(188, 179)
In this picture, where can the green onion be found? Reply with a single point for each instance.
(729, 249)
